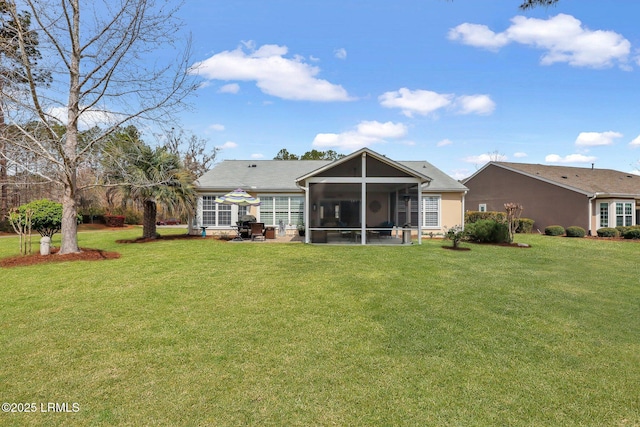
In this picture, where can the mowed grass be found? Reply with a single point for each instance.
(202, 332)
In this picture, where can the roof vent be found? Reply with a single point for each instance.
(253, 165)
(564, 176)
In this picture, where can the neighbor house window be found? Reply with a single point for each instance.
(604, 214)
(288, 209)
(213, 214)
(624, 214)
(431, 211)
(482, 207)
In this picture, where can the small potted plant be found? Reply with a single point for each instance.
(301, 229)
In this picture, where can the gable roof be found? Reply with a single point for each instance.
(281, 175)
(588, 181)
(373, 154)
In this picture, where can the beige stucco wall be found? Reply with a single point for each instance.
(451, 213)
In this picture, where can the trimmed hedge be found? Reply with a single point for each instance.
(487, 231)
(471, 217)
(554, 230)
(575, 231)
(525, 225)
(632, 233)
(607, 232)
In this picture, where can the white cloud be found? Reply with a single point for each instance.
(217, 127)
(340, 53)
(257, 156)
(425, 102)
(228, 144)
(486, 158)
(519, 155)
(475, 104)
(635, 142)
(230, 88)
(286, 78)
(421, 102)
(365, 134)
(563, 38)
(594, 139)
(459, 174)
(478, 36)
(571, 158)
(444, 143)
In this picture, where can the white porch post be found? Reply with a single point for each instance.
(419, 212)
(363, 195)
(307, 237)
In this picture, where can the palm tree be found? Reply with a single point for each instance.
(150, 176)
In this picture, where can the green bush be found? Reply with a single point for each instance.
(47, 216)
(525, 225)
(607, 232)
(487, 231)
(622, 229)
(554, 230)
(5, 226)
(474, 216)
(575, 231)
(632, 233)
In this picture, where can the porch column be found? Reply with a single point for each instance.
(419, 212)
(363, 205)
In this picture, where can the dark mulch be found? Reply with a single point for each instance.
(459, 248)
(160, 238)
(85, 254)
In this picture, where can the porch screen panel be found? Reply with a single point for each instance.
(431, 211)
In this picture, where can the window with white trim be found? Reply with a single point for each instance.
(214, 214)
(624, 214)
(604, 214)
(482, 207)
(431, 211)
(288, 209)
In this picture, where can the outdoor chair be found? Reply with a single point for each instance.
(257, 230)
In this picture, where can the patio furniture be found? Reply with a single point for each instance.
(257, 230)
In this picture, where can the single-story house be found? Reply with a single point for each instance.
(364, 194)
(558, 195)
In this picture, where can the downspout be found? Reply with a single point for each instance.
(591, 199)
(464, 195)
(306, 211)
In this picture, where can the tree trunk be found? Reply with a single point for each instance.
(69, 225)
(149, 220)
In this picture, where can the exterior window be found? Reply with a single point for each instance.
(213, 214)
(604, 214)
(431, 211)
(288, 209)
(624, 214)
(482, 207)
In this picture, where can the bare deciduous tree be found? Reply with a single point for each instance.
(104, 57)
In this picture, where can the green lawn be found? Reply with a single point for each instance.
(202, 332)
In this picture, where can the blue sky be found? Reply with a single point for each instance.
(450, 82)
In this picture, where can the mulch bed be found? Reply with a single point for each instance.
(85, 254)
(159, 238)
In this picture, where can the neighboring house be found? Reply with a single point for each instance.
(558, 195)
(329, 196)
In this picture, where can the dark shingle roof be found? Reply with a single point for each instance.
(585, 180)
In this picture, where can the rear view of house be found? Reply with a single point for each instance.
(558, 195)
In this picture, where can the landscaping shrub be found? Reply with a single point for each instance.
(632, 233)
(622, 229)
(554, 230)
(5, 226)
(473, 216)
(607, 232)
(575, 231)
(525, 225)
(487, 231)
(114, 220)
